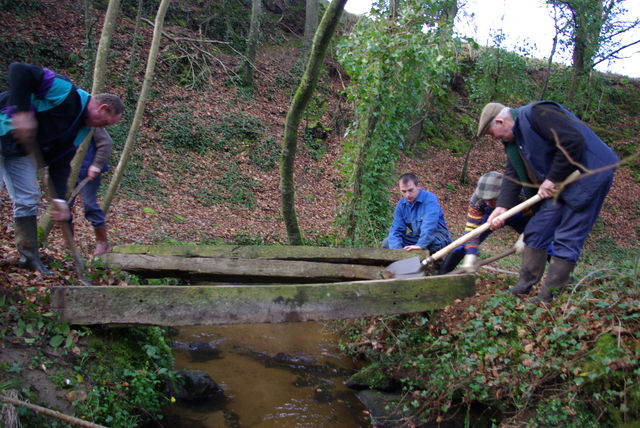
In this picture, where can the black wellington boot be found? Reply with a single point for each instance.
(531, 270)
(26, 231)
(557, 278)
(451, 261)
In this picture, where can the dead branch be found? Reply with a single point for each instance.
(196, 44)
(49, 412)
(575, 177)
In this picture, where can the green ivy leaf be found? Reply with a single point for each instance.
(56, 341)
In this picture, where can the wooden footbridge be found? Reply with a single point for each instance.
(255, 284)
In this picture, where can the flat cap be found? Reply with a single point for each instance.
(489, 112)
(489, 186)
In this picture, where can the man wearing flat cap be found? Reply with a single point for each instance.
(545, 143)
(481, 205)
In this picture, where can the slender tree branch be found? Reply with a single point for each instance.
(586, 171)
(49, 412)
(611, 54)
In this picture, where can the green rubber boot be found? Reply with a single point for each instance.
(534, 261)
(557, 278)
(26, 231)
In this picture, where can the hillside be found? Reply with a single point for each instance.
(205, 169)
(223, 194)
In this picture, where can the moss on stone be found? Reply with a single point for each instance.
(372, 377)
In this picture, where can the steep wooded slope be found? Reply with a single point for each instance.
(228, 190)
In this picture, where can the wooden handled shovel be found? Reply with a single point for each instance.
(412, 267)
(485, 261)
(67, 233)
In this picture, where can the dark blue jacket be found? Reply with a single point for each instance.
(539, 152)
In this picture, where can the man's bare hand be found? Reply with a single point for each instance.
(93, 172)
(494, 222)
(547, 189)
(413, 248)
(25, 126)
(60, 210)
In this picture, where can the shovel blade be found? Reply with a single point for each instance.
(407, 268)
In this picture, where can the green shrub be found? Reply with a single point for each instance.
(232, 188)
(238, 127)
(501, 75)
(135, 178)
(23, 7)
(315, 136)
(182, 132)
(40, 50)
(264, 153)
(129, 369)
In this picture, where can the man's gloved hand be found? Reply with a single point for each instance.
(519, 245)
(60, 210)
(469, 263)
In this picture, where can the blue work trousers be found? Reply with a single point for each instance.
(89, 193)
(557, 222)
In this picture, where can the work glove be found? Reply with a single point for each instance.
(469, 263)
(519, 245)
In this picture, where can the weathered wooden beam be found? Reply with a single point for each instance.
(239, 270)
(368, 256)
(206, 305)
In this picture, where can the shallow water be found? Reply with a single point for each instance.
(273, 375)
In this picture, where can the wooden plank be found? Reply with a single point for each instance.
(239, 270)
(206, 305)
(368, 256)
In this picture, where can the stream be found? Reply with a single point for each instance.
(272, 375)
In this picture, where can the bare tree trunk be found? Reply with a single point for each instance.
(46, 223)
(588, 19)
(464, 174)
(310, 25)
(556, 36)
(298, 104)
(252, 43)
(142, 102)
(394, 9)
(133, 58)
(88, 49)
(445, 23)
(415, 134)
(351, 223)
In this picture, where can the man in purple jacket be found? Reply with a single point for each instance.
(44, 117)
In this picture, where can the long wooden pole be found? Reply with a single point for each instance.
(480, 230)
